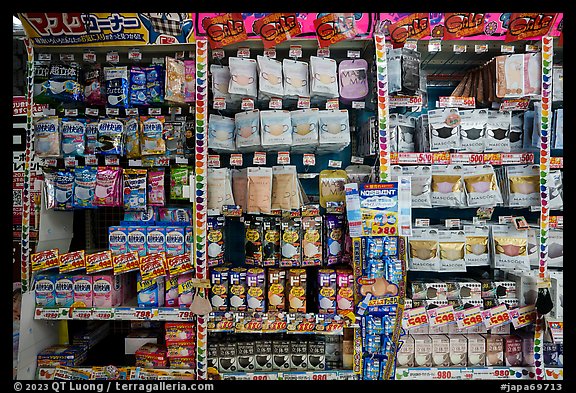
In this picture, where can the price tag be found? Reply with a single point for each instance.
(507, 48)
(157, 60)
(514, 104)
(66, 57)
(92, 112)
(481, 48)
(309, 159)
(522, 316)
(469, 317)
(357, 160)
(335, 164)
(112, 57)
(248, 323)
(452, 223)
(221, 322)
(112, 111)
(283, 158)
(131, 111)
(99, 261)
(399, 100)
(47, 313)
(134, 162)
(303, 103)
(51, 162)
(179, 264)
(103, 314)
(270, 52)
(134, 54)
(556, 162)
(70, 112)
(247, 104)
(353, 54)
(275, 103)
(185, 315)
(458, 102)
(495, 316)
(441, 158)
(414, 318)
(152, 266)
(126, 262)
(213, 161)
(532, 48)
(493, 158)
(434, 46)
(70, 162)
(243, 51)
(111, 160)
(45, 260)
(394, 157)
(48, 112)
(411, 44)
(556, 222)
(259, 158)
(82, 314)
(145, 314)
(219, 103)
(323, 52)
(440, 316)
(478, 221)
(511, 158)
(89, 56)
(358, 104)
(181, 160)
(422, 222)
(72, 261)
(154, 111)
(44, 57)
(236, 159)
(301, 323)
(332, 103)
(557, 331)
(459, 48)
(162, 161)
(504, 219)
(218, 53)
(295, 51)
(90, 160)
(333, 324)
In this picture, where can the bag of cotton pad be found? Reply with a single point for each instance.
(451, 246)
(510, 248)
(447, 186)
(284, 187)
(332, 183)
(334, 130)
(47, 136)
(259, 190)
(243, 77)
(221, 132)
(304, 130)
(324, 81)
(247, 131)
(276, 129)
(216, 241)
(523, 185)
(481, 186)
(295, 78)
(421, 183)
(476, 252)
(219, 188)
(472, 130)
(423, 249)
(444, 125)
(497, 131)
(270, 82)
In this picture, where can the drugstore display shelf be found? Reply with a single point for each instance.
(446, 158)
(475, 373)
(101, 373)
(293, 375)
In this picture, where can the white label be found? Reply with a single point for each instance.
(66, 56)
(353, 54)
(481, 48)
(452, 222)
(270, 52)
(181, 160)
(157, 60)
(134, 162)
(283, 158)
(323, 52)
(112, 111)
(44, 56)
(358, 104)
(90, 160)
(236, 159)
(422, 222)
(303, 103)
(48, 112)
(111, 160)
(112, 57)
(92, 111)
(89, 57)
(411, 44)
(504, 219)
(163, 161)
(531, 48)
(434, 46)
(103, 314)
(131, 111)
(405, 101)
(459, 48)
(219, 103)
(332, 103)
(175, 110)
(295, 51)
(335, 164)
(69, 162)
(218, 53)
(47, 313)
(275, 103)
(478, 221)
(459, 102)
(506, 48)
(357, 160)
(309, 159)
(259, 158)
(134, 54)
(154, 111)
(81, 314)
(213, 161)
(70, 112)
(243, 52)
(247, 104)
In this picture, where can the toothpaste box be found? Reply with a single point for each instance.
(405, 356)
(185, 290)
(237, 289)
(256, 287)
(276, 288)
(83, 295)
(326, 291)
(156, 239)
(118, 239)
(422, 350)
(175, 240)
(263, 355)
(188, 235)
(171, 298)
(298, 355)
(458, 350)
(246, 356)
(150, 292)
(64, 291)
(136, 239)
(219, 288)
(344, 291)
(44, 290)
(107, 290)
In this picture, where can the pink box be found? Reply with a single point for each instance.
(185, 290)
(344, 291)
(83, 290)
(107, 290)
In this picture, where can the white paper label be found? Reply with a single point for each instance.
(112, 57)
(353, 54)
(218, 53)
(111, 160)
(243, 52)
(270, 52)
(259, 158)
(89, 57)
(283, 158)
(154, 111)
(112, 111)
(335, 164)
(295, 51)
(309, 159)
(236, 159)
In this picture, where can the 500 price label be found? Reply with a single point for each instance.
(441, 315)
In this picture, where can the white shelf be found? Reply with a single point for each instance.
(475, 373)
(292, 375)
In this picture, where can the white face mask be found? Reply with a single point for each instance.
(62, 195)
(69, 147)
(150, 144)
(288, 250)
(115, 100)
(43, 145)
(83, 193)
(57, 87)
(103, 192)
(222, 135)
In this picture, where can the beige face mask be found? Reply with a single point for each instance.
(259, 194)
(423, 249)
(282, 189)
(523, 184)
(513, 247)
(477, 245)
(304, 128)
(451, 250)
(239, 189)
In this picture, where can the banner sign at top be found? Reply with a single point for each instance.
(224, 29)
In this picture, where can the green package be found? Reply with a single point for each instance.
(178, 179)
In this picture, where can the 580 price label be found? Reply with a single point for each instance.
(441, 315)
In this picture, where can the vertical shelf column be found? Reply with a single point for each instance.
(200, 199)
(383, 107)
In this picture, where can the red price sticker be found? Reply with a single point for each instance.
(179, 264)
(236, 159)
(522, 316)
(493, 158)
(394, 157)
(274, 326)
(81, 314)
(90, 160)
(126, 262)
(247, 104)
(243, 51)
(47, 313)
(332, 104)
(225, 324)
(89, 57)
(111, 161)
(441, 158)
(275, 103)
(496, 316)
(396, 101)
(213, 161)
(98, 262)
(72, 261)
(103, 314)
(411, 44)
(50, 162)
(305, 326)
(295, 51)
(323, 52)
(219, 103)
(424, 158)
(469, 317)
(303, 103)
(144, 313)
(514, 104)
(134, 55)
(309, 159)
(185, 315)
(441, 315)
(45, 260)
(70, 162)
(218, 53)
(112, 57)
(458, 102)
(414, 317)
(270, 52)
(153, 266)
(283, 158)
(556, 162)
(259, 158)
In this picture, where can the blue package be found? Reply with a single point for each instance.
(110, 137)
(371, 368)
(84, 185)
(375, 268)
(63, 189)
(64, 83)
(393, 270)
(117, 86)
(373, 324)
(372, 343)
(91, 136)
(47, 136)
(73, 136)
(134, 190)
(138, 87)
(385, 346)
(174, 216)
(155, 84)
(388, 322)
(391, 246)
(147, 217)
(375, 247)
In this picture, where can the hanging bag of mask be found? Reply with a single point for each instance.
(332, 183)
(152, 130)
(497, 131)
(444, 125)
(110, 140)
(423, 250)
(259, 190)
(47, 137)
(243, 77)
(556, 190)
(472, 129)
(393, 131)
(64, 83)
(304, 130)
(422, 143)
(447, 186)
(406, 128)
(510, 248)
(523, 185)
(295, 78)
(284, 188)
(410, 71)
(117, 86)
(276, 127)
(421, 183)
(353, 80)
(219, 189)
(220, 82)
(221, 132)
(476, 252)
(556, 248)
(324, 82)
(175, 80)
(132, 125)
(516, 131)
(247, 131)
(270, 82)
(240, 187)
(481, 186)
(173, 136)
(394, 63)
(334, 130)
(451, 245)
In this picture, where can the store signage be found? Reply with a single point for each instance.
(225, 29)
(358, 105)
(103, 314)
(496, 316)
(400, 100)
(99, 262)
(70, 162)
(440, 316)
(527, 25)
(514, 104)
(72, 261)
(522, 316)
(462, 24)
(323, 52)
(482, 48)
(414, 27)
(259, 158)
(247, 104)
(243, 52)
(414, 317)
(112, 57)
(20, 107)
(179, 264)
(303, 103)
(134, 54)
(219, 103)
(152, 266)
(124, 263)
(276, 28)
(45, 260)
(332, 28)
(468, 317)
(458, 102)
(70, 112)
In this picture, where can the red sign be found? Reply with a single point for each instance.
(225, 29)
(333, 28)
(20, 106)
(276, 28)
(414, 26)
(462, 24)
(152, 266)
(526, 25)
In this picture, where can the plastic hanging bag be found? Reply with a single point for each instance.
(421, 183)
(270, 77)
(295, 78)
(173, 138)
(220, 81)
(84, 187)
(481, 186)
(64, 83)
(49, 189)
(444, 125)
(447, 186)
(523, 185)
(472, 129)
(175, 80)
(276, 129)
(91, 135)
(221, 132)
(240, 187)
(94, 85)
(243, 77)
(108, 185)
(47, 136)
(152, 142)
(353, 79)
(394, 63)
(517, 131)
(219, 188)
(138, 89)
(332, 183)
(155, 84)
(64, 190)
(132, 125)
(510, 248)
(497, 131)
(451, 249)
(156, 192)
(190, 80)
(423, 250)
(259, 190)
(406, 133)
(178, 180)
(477, 240)
(134, 191)
(284, 187)
(110, 137)
(73, 136)
(324, 81)
(247, 131)
(304, 130)
(117, 86)
(334, 130)
(334, 239)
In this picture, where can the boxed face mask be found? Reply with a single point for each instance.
(227, 357)
(296, 290)
(298, 355)
(276, 127)
(247, 131)
(63, 291)
(221, 134)
(323, 77)
(312, 241)
(334, 130)
(497, 131)
(290, 242)
(220, 81)
(171, 295)
(150, 292)
(219, 288)
(334, 238)
(243, 76)
(476, 252)
(458, 350)
(270, 77)
(245, 358)
(516, 131)
(219, 188)
(304, 130)
(523, 184)
(317, 354)
(444, 125)
(481, 186)
(110, 137)
(237, 289)
(410, 71)
(422, 350)
(295, 78)
(423, 246)
(440, 350)
(494, 350)
(259, 190)
(476, 350)
(406, 129)
(276, 289)
(345, 291)
(47, 136)
(216, 244)
(271, 241)
(447, 186)
(427, 289)
(263, 355)
(255, 294)
(281, 355)
(326, 291)
(510, 248)
(472, 129)
(513, 350)
(353, 79)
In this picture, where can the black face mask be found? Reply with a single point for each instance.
(444, 132)
(498, 133)
(473, 133)
(515, 136)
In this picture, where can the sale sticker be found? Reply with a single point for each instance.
(152, 266)
(276, 28)
(301, 323)
(213, 161)
(309, 159)
(221, 322)
(469, 317)
(82, 314)
(556, 331)
(442, 158)
(72, 261)
(225, 29)
(44, 260)
(126, 262)
(332, 28)
(274, 322)
(219, 103)
(411, 27)
(522, 316)
(401, 100)
(440, 316)
(493, 158)
(99, 262)
(179, 264)
(414, 317)
(248, 323)
(556, 162)
(496, 316)
(333, 324)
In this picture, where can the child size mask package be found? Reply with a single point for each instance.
(523, 185)
(253, 241)
(110, 137)
(117, 86)
(497, 131)
(152, 141)
(423, 249)
(64, 83)
(175, 83)
(421, 183)
(243, 77)
(215, 241)
(295, 78)
(84, 186)
(516, 131)
(444, 127)
(510, 248)
(406, 128)
(290, 242)
(221, 133)
(63, 190)
(134, 191)
(73, 136)
(334, 130)
(137, 86)
(47, 136)
(451, 246)
(276, 127)
(94, 85)
(353, 79)
(481, 186)
(394, 63)
(556, 190)
(284, 188)
(472, 130)
(476, 252)
(270, 77)
(332, 183)
(304, 130)
(334, 229)
(155, 184)
(410, 71)
(447, 186)
(155, 84)
(132, 141)
(91, 135)
(324, 81)
(393, 131)
(259, 190)
(108, 185)
(240, 187)
(219, 188)
(220, 81)
(247, 131)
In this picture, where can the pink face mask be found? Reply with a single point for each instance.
(481, 186)
(511, 250)
(445, 187)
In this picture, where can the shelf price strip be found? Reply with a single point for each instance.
(383, 107)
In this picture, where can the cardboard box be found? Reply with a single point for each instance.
(405, 355)
(227, 357)
(296, 290)
(440, 350)
(151, 293)
(237, 289)
(316, 355)
(458, 350)
(136, 339)
(513, 351)
(213, 356)
(219, 288)
(276, 289)
(422, 350)
(44, 290)
(498, 288)
(156, 239)
(64, 291)
(476, 350)
(345, 291)
(256, 289)
(298, 355)
(526, 286)
(494, 350)
(83, 295)
(175, 243)
(107, 290)
(326, 291)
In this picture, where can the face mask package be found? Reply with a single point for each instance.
(497, 131)
(175, 82)
(132, 125)
(422, 143)
(271, 241)
(472, 130)
(447, 186)
(41, 84)
(304, 130)
(173, 135)
(334, 130)
(220, 81)
(323, 78)
(49, 190)
(253, 241)
(510, 248)
(108, 183)
(117, 86)
(137, 87)
(219, 188)
(410, 71)
(295, 78)
(406, 128)
(64, 83)
(536, 124)
(476, 252)
(243, 76)
(156, 193)
(444, 125)
(259, 190)
(423, 246)
(247, 131)
(276, 127)
(221, 133)
(284, 188)
(178, 180)
(353, 79)
(189, 80)
(290, 242)
(394, 63)
(393, 131)
(152, 141)
(216, 241)
(332, 183)
(134, 191)
(559, 128)
(270, 77)
(110, 137)
(94, 85)
(481, 186)
(312, 241)
(359, 173)
(516, 131)
(155, 84)
(73, 131)
(240, 187)
(91, 135)
(63, 190)
(421, 183)
(523, 185)
(452, 244)
(84, 186)
(556, 248)
(47, 136)
(334, 229)
(556, 190)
